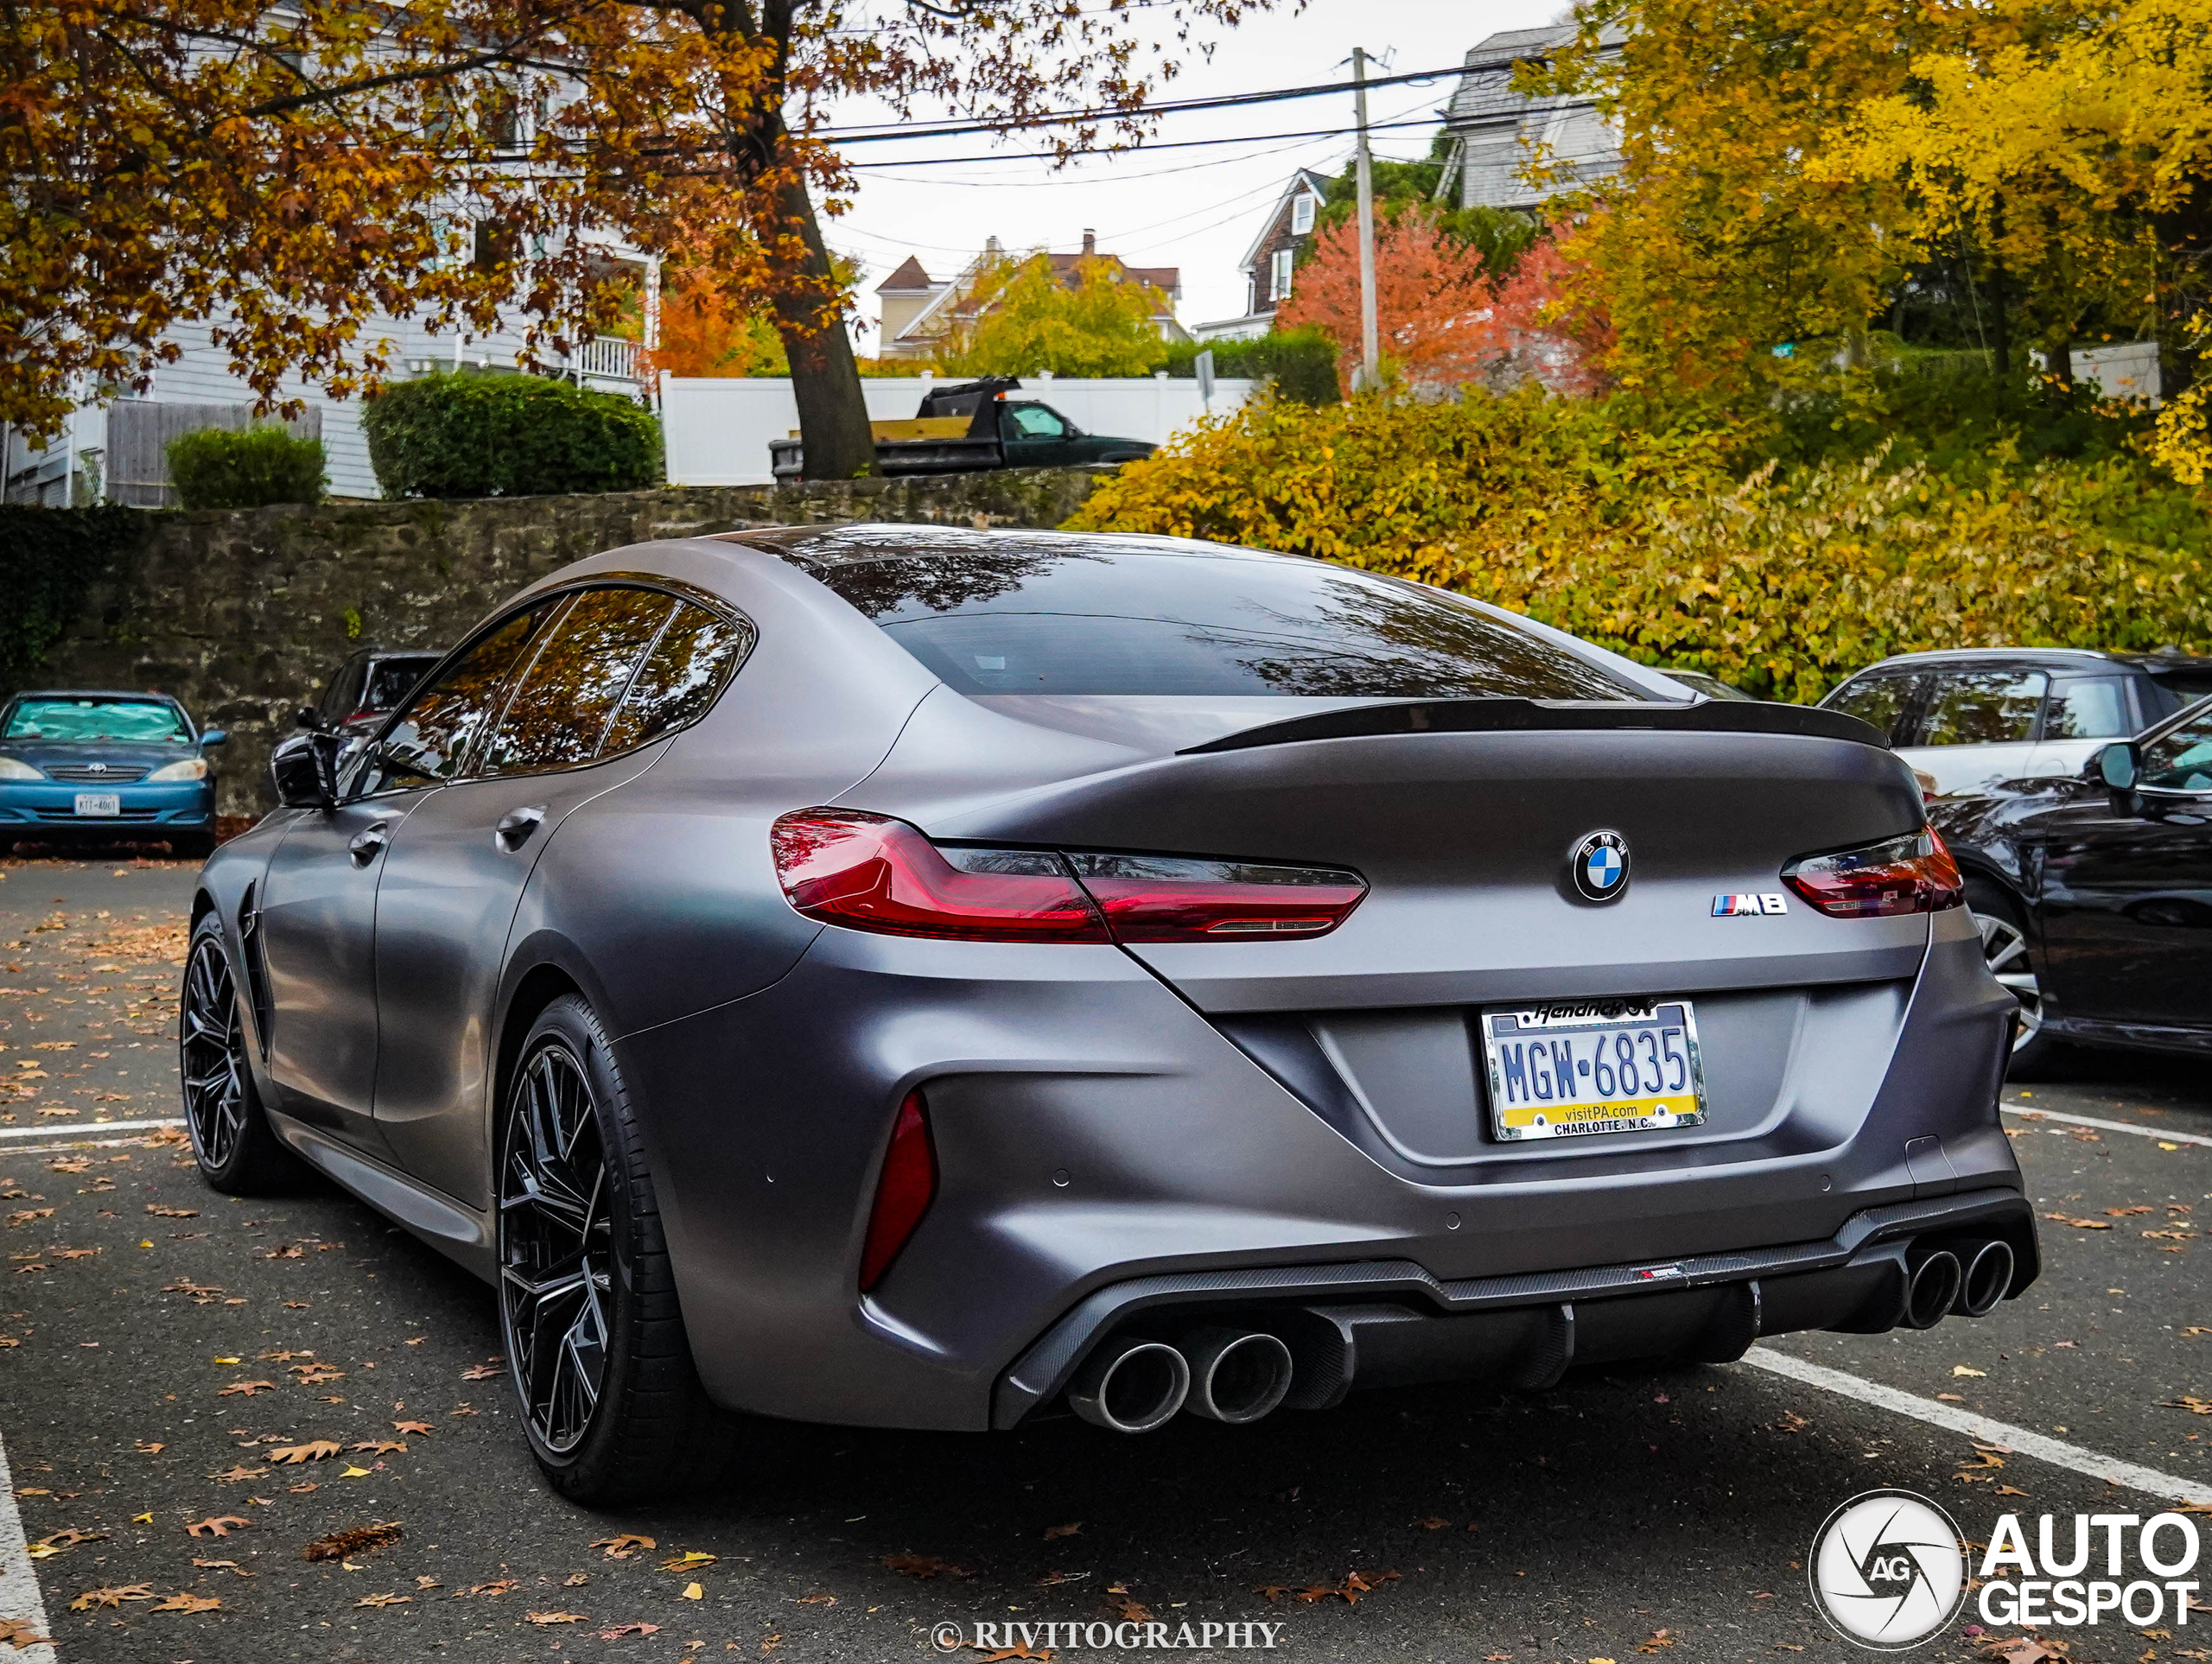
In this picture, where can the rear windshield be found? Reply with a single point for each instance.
(1132, 622)
(140, 720)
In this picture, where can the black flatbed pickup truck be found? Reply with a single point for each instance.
(973, 427)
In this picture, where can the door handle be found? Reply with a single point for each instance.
(368, 842)
(515, 826)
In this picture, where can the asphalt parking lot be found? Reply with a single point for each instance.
(163, 1350)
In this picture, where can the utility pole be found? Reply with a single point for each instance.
(1368, 346)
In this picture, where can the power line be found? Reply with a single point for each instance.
(877, 133)
(1131, 150)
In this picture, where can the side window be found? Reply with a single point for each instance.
(1033, 422)
(680, 677)
(434, 735)
(560, 709)
(2182, 760)
(1279, 266)
(2095, 709)
(1983, 708)
(1876, 700)
(337, 695)
(1301, 213)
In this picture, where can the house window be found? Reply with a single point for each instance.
(1301, 214)
(1279, 275)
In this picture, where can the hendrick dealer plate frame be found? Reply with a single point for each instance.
(1569, 1018)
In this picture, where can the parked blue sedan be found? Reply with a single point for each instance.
(79, 766)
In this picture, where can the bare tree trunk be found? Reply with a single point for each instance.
(825, 378)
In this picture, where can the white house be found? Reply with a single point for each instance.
(1496, 131)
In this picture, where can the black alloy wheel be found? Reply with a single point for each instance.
(556, 1247)
(2007, 951)
(611, 1398)
(238, 1151)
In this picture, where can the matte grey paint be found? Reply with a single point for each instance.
(1174, 1083)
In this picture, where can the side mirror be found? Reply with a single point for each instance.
(214, 737)
(302, 769)
(2117, 766)
(311, 720)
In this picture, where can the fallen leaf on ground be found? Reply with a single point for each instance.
(622, 1631)
(922, 1566)
(183, 1602)
(69, 1537)
(113, 1596)
(695, 1591)
(359, 1539)
(1128, 1609)
(490, 1371)
(1355, 1584)
(487, 1590)
(380, 1447)
(689, 1558)
(161, 1212)
(16, 1632)
(218, 1525)
(557, 1617)
(422, 1428)
(621, 1548)
(313, 1451)
(246, 1389)
(822, 1597)
(1661, 1640)
(2188, 1401)
(384, 1600)
(2081, 1224)
(1068, 1530)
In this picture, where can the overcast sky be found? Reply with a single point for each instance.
(1197, 208)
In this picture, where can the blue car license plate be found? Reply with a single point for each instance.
(99, 805)
(1572, 1067)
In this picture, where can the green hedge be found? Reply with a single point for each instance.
(220, 469)
(1301, 363)
(475, 435)
(49, 558)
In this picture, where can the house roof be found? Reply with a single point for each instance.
(1486, 91)
(909, 279)
(1166, 279)
(1305, 179)
(950, 297)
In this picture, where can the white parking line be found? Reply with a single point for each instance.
(2109, 1126)
(95, 1127)
(2057, 1451)
(19, 1600)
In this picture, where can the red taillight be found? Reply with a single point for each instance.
(1155, 898)
(904, 1191)
(874, 873)
(1911, 875)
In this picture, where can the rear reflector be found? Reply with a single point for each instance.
(870, 873)
(902, 1191)
(1165, 898)
(1911, 875)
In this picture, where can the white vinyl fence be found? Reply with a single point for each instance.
(717, 429)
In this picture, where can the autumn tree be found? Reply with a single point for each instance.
(1447, 316)
(288, 174)
(1022, 318)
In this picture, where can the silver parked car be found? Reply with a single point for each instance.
(1971, 717)
(917, 977)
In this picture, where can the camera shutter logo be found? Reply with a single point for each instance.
(1888, 1570)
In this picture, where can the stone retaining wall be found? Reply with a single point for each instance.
(242, 615)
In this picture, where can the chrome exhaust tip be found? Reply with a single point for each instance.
(1130, 1386)
(1931, 1288)
(1986, 1280)
(1236, 1375)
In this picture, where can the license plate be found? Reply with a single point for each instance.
(1580, 1066)
(99, 803)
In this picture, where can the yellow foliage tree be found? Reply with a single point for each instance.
(1022, 318)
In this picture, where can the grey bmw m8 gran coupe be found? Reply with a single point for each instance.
(914, 977)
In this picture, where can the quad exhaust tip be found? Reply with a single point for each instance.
(1130, 1386)
(1236, 1375)
(1986, 1280)
(1932, 1287)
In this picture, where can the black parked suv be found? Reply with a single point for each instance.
(368, 686)
(1972, 716)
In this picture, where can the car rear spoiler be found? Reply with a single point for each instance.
(1499, 715)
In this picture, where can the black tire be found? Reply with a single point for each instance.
(191, 846)
(239, 1152)
(585, 1282)
(2010, 954)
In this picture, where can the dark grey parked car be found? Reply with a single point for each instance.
(913, 977)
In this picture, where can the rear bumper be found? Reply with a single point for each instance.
(1094, 1132)
(1390, 1323)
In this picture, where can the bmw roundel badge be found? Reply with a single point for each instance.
(1600, 866)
